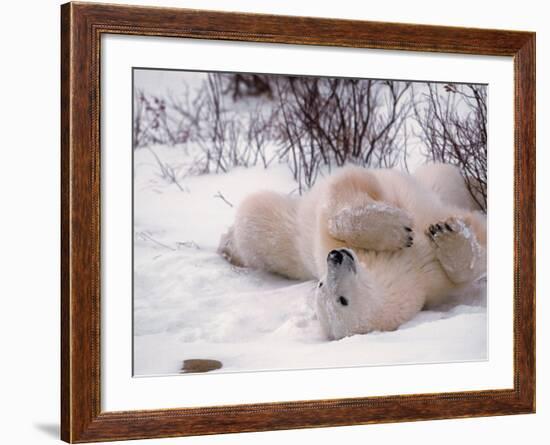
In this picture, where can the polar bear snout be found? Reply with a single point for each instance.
(341, 257)
(335, 257)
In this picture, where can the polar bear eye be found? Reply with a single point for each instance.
(343, 301)
(320, 284)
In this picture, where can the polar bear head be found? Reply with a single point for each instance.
(342, 296)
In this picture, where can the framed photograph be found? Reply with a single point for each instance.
(274, 222)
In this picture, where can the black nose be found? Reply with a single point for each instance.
(335, 257)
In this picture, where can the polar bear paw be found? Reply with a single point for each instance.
(226, 249)
(374, 226)
(457, 249)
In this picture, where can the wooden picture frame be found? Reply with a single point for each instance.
(82, 25)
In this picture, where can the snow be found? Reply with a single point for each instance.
(189, 303)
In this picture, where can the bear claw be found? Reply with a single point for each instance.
(438, 228)
(410, 239)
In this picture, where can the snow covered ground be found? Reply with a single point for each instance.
(189, 303)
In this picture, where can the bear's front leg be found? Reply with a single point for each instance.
(458, 249)
(358, 215)
(372, 225)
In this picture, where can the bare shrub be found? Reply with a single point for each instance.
(167, 120)
(308, 122)
(167, 172)
(326, 121)
(453, 126)
(150, 121)
(243, 85)
(228, 137)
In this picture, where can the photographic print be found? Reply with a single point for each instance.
(295, 222)
(290, 230)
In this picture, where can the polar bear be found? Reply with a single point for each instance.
(382, 243)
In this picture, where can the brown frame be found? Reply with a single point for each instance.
(82, 25)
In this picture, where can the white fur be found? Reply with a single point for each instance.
(409, 241)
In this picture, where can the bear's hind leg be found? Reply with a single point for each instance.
(460, 247)
(447, 182)
(264, 235)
